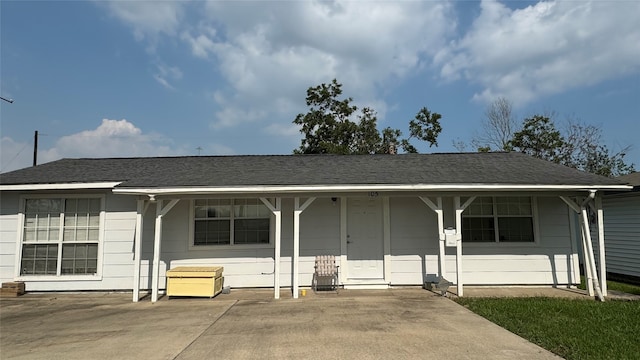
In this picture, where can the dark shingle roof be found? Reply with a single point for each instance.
(213, 171)
(631, 179)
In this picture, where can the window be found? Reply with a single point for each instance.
(498, 219)
(231, 222)
(60, 236)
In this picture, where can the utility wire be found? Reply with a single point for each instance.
(10, 161)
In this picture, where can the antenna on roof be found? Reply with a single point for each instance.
(199, 148)
(10, 101)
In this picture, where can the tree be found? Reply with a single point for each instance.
(584, 151)
(425, 127)
(578, 145)
(326, 126)
(498, 127)
(334, 126)
(579, 148)
(539, 138)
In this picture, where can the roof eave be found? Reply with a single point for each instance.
(360, 187)
(59, 186)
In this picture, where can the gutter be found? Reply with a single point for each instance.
(367, 187)
(65, 186)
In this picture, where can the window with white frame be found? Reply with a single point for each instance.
(60, 236)
(498, 219)
(231, 222)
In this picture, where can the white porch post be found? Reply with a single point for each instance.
(592, 260)
(277, 213)
(459, 280)
(601, 250)
(297, 210)
(459, 209)
(589, 259)
(160, 212)
(386, 220)
(156, 252)
(344, 269)
(585, 259)
(141, 210)
(441, 248)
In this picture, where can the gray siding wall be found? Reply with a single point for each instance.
(413, 237)
(414, 248)
(251, 266)
(414, 241)
(622, 233)
(549, 261)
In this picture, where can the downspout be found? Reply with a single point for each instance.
(589, 245)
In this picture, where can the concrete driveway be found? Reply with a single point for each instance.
(248, 324)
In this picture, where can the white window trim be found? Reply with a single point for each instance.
(536, 230)
(21, 218)
(193, 247)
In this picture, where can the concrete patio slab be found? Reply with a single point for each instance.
(248, 324)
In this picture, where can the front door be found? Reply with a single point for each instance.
(365, 240)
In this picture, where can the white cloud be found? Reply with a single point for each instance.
(231, 116)
(546, 48)
(269, 53)
(201, 45)
(113, 138)
(285, 133)
(286, 130)
(165, 73)
(148, 19)
(273, 52)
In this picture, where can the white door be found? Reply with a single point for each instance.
(365, 249)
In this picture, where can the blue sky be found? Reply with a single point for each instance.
(144, 78)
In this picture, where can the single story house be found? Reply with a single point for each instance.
(470, 218)
(622, 230)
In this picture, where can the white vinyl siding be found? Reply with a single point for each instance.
(621, 233)
(547, 261)
(249, 265)
(413, 253)
(10, 228)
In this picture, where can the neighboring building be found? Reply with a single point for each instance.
(121, 223)
(622, 230)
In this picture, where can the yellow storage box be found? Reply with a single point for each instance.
(204, 281)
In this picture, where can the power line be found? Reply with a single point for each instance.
(10, 161)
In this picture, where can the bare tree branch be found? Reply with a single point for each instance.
(498, 126)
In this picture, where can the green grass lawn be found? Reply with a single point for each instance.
(614, 285)
(571, 328)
